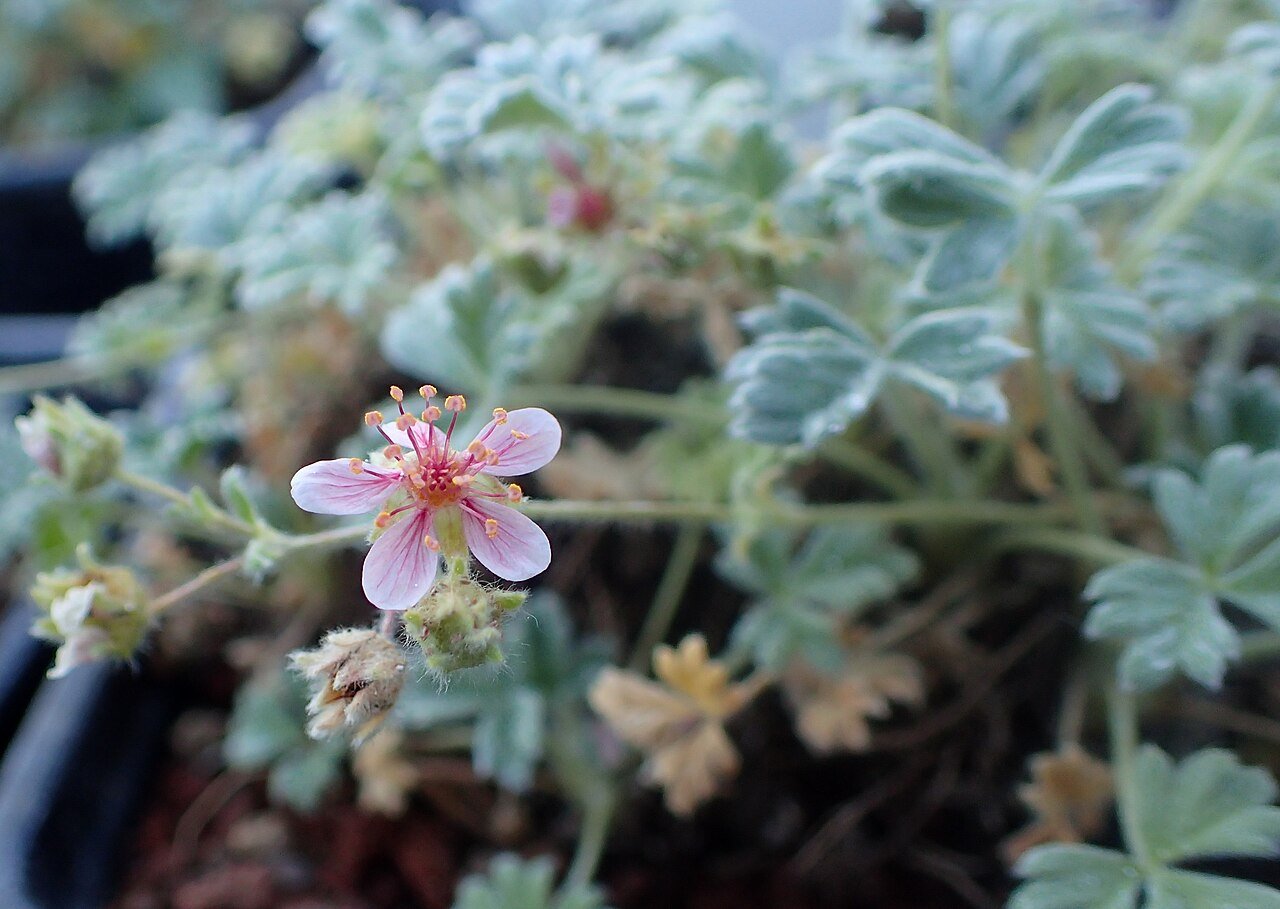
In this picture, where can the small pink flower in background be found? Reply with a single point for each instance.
(423, 477)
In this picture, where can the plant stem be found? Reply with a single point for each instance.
(338, 536)
(923, 512)
(657, 622)
(29, 377)
(944, 101)
(210, 575)
(931, 449)
(1123, 723)
(1091, 548)
(1187, 194)
(593, 835)
(183, 499)
(1075, 476)
(1260, 645)
(860, 462)
(621, 402)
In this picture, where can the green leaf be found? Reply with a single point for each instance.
(802, 595)
(1120, 145)
(509, 738)
(1076, 877)
(1172, 889)
(514, 883)
(1167, 612)
(925, 190)
(811, 372)
(302, 778)
(1167, 620)
(1207, 805)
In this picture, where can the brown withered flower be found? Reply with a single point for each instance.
(355, 676)
(678, 722)
(833, 712)
(1069, 795)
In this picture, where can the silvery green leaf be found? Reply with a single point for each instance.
(119, 187)
(1206, 805)
(1232, 408)
(145, 325)
(515, 883)
(1174, 889)
(1259, 44)
(1223, 262)
(384, 49)
(802, 595)
(925, 190)
(812, 372)
(1076, 877)
(619, 22)
(1088, 317)
(1122, 144)
(508, 739)
(970, 255)
(336, 251)
(212, 210)
(997, 65)
(1167, 620)
(1167, 612)
(459, 330)
(714, 46)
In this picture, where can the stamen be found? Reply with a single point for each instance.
(356, 465)
(382, 520)
(515, 493)
(464, 479)
(499, 415)
(397, 394)
(392, 452)
(431, 543)
(428, 392)
(455, 403)
(404, 421)
(491, 528)
(517, 434)
(431, 414)
(373, 418)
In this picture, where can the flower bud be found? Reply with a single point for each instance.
(458, 623)
(355, 676)
(94, 612)
(71, 442)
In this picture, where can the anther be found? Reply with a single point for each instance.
(464, 479)
(431, 414)
(404, 421)
(431, 543)
(373, 418)
(428, 392)
(382, 520)
(356, 465)
(491, 528)
(397, 394)
(515, 493)
(392, 452)
(455, 403)
(517, 434)
(499, 415)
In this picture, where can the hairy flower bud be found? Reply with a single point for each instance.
(94, 612)
(458, 624)
(71, 442)
(355, 676)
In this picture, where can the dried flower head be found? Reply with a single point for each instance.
(93, 612)
(355, 675)
(678, 724)
(436, 498)
(71, 442)
(833, 713)
(1070, 794)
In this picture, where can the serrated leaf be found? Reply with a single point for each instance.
(301, 778)
(1173, 889)
(1076, 877)
(813, 377)
(801, 595)
(1121, 144)
(925, 190)
(514, 883)
(1207, 805)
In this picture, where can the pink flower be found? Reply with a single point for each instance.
(420, 481)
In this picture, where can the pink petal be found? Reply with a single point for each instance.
(332, 487)
(425, 434)
(517, 455)
(518, 551)
(399, 569)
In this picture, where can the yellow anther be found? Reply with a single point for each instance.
(517, 434)
(404, 421)
(491, 528)
(356, 465)
(373, 418)
(431, 543)
(499, 415)
(382, 520)
(477, 449)
(455, 403)
(464, 479)
(431, 414)
(515, 493)
(392, 452)
(397, 394)
(492, 458)
(428, 392)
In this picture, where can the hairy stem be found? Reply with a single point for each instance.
(943, 90)
(666, 601)
(218, 516)
(1088, 547)
(1123, 724)
(206, 578)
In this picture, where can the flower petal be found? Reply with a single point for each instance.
(399, 570)
(518, 549)
(426, 435)
(537, 442)
(332, 487)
